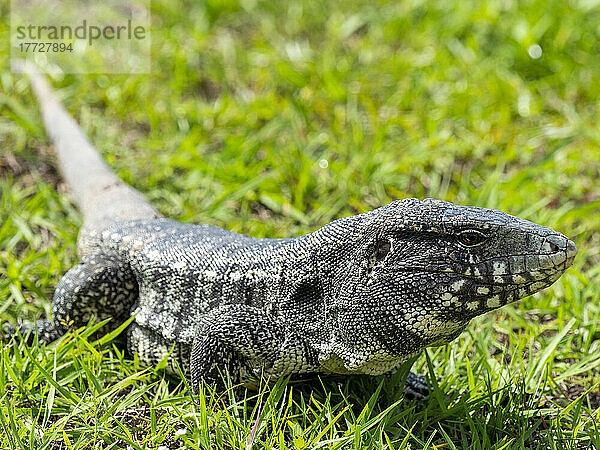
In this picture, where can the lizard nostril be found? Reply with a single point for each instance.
(554, 248)
(571, 249)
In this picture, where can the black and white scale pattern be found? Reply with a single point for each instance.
(360, 295)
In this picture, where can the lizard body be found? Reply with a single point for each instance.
(359, 295)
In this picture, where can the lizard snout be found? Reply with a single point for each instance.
(557, 250)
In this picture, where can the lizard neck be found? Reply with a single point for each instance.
(332, 247)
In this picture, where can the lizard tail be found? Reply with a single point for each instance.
(101, 196)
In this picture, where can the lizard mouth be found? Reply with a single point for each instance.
(555, 255)
(464, 297)
(492, 278)
(475, 299)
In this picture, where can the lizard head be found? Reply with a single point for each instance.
(421, 270)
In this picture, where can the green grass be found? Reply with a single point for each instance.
(245, 99)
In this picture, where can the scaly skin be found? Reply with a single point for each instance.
(359, 295)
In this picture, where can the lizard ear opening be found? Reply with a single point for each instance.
(382, 248)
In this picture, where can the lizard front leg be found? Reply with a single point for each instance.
(245, 342)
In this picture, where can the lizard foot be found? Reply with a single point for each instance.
(45, 329)
(416, 386)
(244, 342)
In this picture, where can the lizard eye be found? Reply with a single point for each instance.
(382, 249)
(471, 238)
